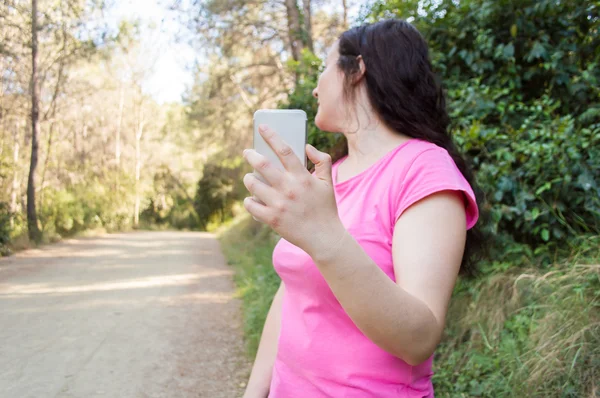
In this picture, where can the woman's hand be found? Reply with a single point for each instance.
(299, 206)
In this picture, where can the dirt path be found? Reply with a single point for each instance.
(145, 314)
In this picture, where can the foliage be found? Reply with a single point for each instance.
(65, 212)
(218, 190)
(542, 340)
(5, 228)
(170, 205)
(522, 83)
(522, 80)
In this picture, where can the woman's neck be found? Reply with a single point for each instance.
(368, 137)
(369, 144)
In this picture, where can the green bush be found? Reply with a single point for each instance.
(87, 205)
(5, 228)
(62, 214)
(522, 83)
(541, 179)
(169, 205)
(522, 79)
(218, 190)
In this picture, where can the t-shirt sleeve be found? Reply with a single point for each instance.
(433, 170)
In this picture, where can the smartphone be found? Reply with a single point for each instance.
(290, 125)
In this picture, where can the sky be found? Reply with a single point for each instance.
(173, 70)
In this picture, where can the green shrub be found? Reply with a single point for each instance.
(218, 190)
(522, 82)
(5, 228)
(62, 213)
(541, 179)
(93, 204)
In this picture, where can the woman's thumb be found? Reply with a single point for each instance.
(322, 163)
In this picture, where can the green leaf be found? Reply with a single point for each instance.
(543, 188)
(545, 235)
(513, 30)
(538, 51)
(509, 50)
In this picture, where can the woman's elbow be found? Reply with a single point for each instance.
(421, 346)
(417, 358)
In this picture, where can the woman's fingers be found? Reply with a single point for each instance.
(272, 175)
(259, 189)
(259, 211)
(284, 152)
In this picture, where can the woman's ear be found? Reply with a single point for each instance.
(361, 70)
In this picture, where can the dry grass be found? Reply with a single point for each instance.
(536, 332)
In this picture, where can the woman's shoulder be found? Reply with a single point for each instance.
(414, 151)
(416, 147)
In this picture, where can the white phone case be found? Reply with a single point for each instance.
(290, 125)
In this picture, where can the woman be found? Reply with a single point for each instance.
(372, 245)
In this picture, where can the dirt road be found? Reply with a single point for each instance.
(145, 314)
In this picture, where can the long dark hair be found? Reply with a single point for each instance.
(404, 93)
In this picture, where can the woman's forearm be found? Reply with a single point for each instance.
(387, 314)
(260, 378)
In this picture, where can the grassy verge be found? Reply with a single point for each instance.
(21, 242)
(248, 247)
(526, 332)
(518, 331)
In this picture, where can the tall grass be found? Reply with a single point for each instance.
(525, 332)
(248, 247)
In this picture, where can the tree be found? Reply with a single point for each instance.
(308, 24)
(345, 13)
(295, 32)
(138, 158)
(34, 233)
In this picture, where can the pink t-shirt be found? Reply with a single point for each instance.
(321, 353)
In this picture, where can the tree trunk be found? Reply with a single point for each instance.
(15, 184)
(294, 30)
(345, 15)
(32, 227)
(118, 138)
(119, 124)
(308, 24)
(48, 153)
(138, 166)
(83, 146)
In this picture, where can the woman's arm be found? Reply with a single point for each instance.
(260, 378)
(405, 318)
